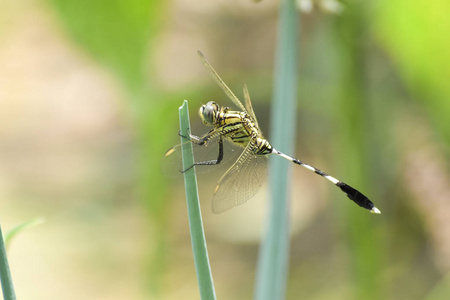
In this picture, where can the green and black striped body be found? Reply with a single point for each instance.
(239, 128)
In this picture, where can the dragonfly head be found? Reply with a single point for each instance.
(208, 112)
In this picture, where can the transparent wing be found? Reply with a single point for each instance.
(171, 163)
(241, 181)
(248, 105)
(221, 83)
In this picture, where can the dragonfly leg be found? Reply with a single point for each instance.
(183, 136)
(209, 162)
(189, 136)
(197, 139)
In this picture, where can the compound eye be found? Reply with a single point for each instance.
(207, 113)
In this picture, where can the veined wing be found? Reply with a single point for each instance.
(241, 181)
(221, 83)
(248, 105)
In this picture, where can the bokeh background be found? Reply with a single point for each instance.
(89, 92)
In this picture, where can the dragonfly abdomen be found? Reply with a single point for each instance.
(263, 146)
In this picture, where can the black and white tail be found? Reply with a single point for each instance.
(351, 193)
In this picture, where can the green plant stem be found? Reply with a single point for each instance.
(204, 276)
(5, 274)
(273, 263)
(366, 248)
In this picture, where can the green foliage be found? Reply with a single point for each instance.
(416, 36)
(116, 32)
(354, 138)
(119, 35)
(5, 274)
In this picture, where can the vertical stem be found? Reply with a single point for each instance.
(5, 274)
(355, 116)
(204, 276)
(274, 254)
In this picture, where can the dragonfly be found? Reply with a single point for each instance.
(246, 175)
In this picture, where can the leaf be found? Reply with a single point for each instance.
(415, 34)
(16, 230)
(115, 32)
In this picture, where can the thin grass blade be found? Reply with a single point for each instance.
(271, 277)
(16, 230)
(5, 274)
(204, 276)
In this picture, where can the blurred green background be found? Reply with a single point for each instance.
(89, 92)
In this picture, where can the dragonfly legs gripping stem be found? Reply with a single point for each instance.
(183, 136)
(191, 137)
(208, 162)
(197, 139)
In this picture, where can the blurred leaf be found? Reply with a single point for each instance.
(116, 32)
(13, 232)
(156, 128)
(416, 36)
(441, 290)
(356, 127)
(271, 277)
